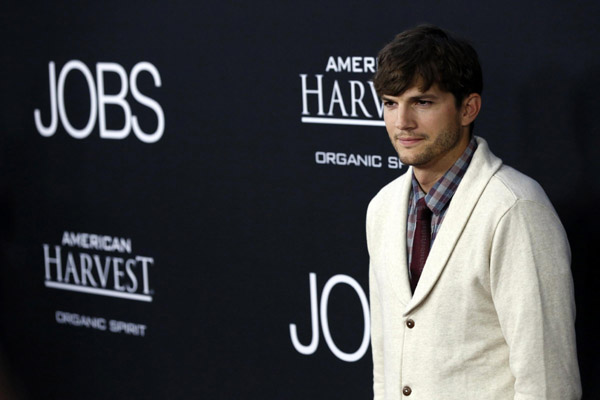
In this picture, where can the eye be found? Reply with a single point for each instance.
(424, 102)
(389, 103)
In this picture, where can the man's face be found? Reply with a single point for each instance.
(425, 127)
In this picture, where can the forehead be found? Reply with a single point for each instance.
(417, 90)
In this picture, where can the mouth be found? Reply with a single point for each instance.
(409, 141)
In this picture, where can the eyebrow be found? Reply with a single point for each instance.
(424, 96)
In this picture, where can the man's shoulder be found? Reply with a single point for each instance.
(506, 184)
(514, 186)
(391, 190)
(387, 205)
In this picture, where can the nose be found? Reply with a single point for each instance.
(405, 120)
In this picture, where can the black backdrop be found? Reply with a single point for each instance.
(232, 206)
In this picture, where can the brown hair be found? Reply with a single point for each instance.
(428, 55)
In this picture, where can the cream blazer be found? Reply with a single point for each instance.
(492, 317)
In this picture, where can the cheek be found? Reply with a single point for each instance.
(389, 123)
(387, 116)
(390, 132)
(440, 120)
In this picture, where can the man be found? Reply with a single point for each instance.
(470, 281)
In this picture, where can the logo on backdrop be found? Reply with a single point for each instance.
(99, 323)
(320, 313)
(98, 265)
(343, 94)
(99, 99)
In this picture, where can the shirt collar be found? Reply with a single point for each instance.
(442, 191)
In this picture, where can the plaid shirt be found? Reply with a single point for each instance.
(438, 197)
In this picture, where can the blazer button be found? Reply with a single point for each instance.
(410, 323)
(406, 390)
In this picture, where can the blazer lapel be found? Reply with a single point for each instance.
(483, 166)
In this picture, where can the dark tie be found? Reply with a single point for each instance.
(421, 243)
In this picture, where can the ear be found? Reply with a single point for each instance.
(470, 109)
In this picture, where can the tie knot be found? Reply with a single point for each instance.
(423, 212)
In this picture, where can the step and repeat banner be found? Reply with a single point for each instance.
(183, 185)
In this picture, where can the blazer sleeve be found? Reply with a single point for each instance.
(532, 289)
(376, 338)
(376, 320)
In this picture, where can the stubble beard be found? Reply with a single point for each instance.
(447, 140)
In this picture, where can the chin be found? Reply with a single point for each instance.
(414, 159)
